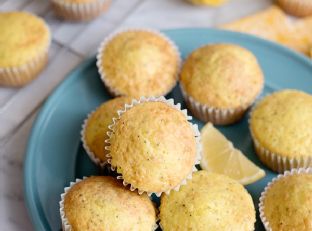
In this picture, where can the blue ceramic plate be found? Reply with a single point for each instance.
(55, 156)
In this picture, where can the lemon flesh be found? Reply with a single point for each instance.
(220, 156)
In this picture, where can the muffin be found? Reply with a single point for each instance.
(208, 202)
(138, 63)
(102, 203)
(95, 128)
(220, 81)
(153, 146)
(300, 8)
(286, 203)
(24, 44)
(79, 10)
(208, 2)
(281, 128)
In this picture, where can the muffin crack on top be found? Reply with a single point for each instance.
(153, 145)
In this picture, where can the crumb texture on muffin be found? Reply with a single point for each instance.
(208, 202)
(288, 203)
(97, 125)
(102, 203)
(282, 123)
(153, 146)
(140, 63)
(24, 37)
(222, 76)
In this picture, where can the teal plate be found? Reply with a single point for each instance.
(55, 156)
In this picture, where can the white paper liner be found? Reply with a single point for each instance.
(115, 92)
(65, 223)
(275, 161)
(21, 75)
(80, 11)
(91, 154)
(269, 185)
(169, 102)
(217, 116)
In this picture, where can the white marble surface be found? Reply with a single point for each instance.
(72, 43)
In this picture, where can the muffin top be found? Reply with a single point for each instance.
(23, 37)
(222, 76)
(153, 146)
(102, 203)
(208, 202)
(282, 123)
(140, 63)
(288, 203)
(95, 132)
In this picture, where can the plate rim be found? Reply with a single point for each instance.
(38, 220)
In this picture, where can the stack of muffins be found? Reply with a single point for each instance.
(152, 146)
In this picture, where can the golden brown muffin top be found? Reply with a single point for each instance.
(208, 202)
(222, 76)
(23, 36)
(103, 203)
(140, 63)
(288, 203)
(281, 123)
(153, 146)
(97, 125)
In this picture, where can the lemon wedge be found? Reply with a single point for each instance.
(220, 156)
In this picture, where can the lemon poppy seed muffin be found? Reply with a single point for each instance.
(24, 44)
(208, 202)
(138, 63)
(220, 81)
(281, 127)
(286, 203)
(103, 203)
(300, 8)
(95, 128)
(80, 10)
(153, 147)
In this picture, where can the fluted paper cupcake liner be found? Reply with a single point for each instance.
(91, 154)
(19, 76)
(264, 193)
(275, 161)
(114, 92)
(80, 11)
(217, 116)
(65, 223)
(169, 102)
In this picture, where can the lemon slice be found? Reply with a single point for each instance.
(220, 156)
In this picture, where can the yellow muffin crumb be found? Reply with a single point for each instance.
(282, 123)
(140, 63)
(23, 37)
(222, 76)
(102, 203)
(96, 129)
(153, 146)
(288, 203)
(208, 202)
